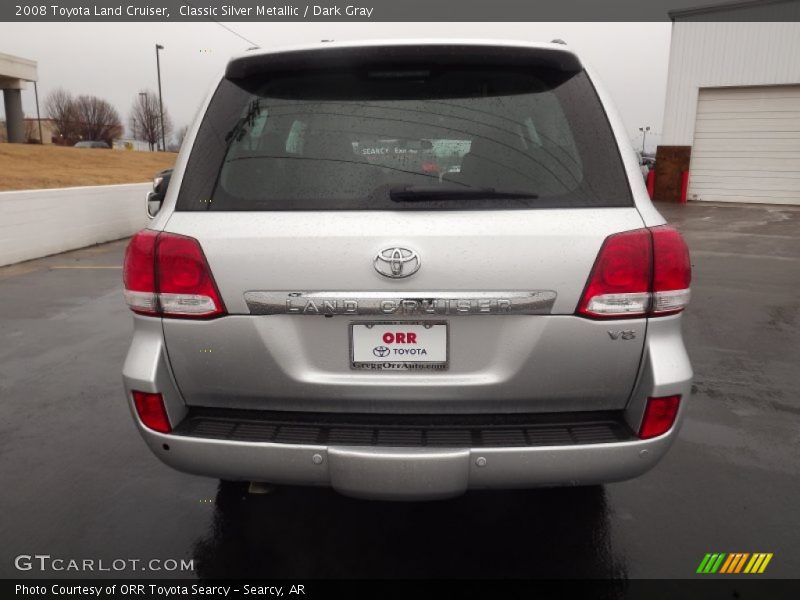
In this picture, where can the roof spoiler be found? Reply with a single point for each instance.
(427, 55)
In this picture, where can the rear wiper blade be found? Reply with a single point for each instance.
(418, 193)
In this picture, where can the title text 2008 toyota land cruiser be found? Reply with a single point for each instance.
(405, 270)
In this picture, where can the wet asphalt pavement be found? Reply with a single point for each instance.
(78, 482)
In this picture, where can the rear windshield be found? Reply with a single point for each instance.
(399, 139)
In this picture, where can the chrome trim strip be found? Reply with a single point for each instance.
(407, 304)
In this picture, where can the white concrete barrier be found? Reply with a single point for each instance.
(36, 223)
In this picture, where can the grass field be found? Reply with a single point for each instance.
(31, 167)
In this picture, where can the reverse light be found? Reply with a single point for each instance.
(167, 275)
(644, 272)
(151, 411)
(659, 416)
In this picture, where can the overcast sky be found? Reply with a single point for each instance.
(117, 60)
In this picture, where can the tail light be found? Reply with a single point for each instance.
(672, 271)
(151, 411)
(659, 416)
(645, 272)
(167, 275)
(138, 273)
(619, 284)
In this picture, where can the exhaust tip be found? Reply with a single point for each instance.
(260, 488)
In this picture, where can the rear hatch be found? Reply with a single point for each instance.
(453, 198)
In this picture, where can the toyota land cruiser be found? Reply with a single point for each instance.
(405, 270)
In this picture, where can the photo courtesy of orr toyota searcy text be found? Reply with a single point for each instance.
(163, 591)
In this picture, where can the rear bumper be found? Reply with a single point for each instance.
(395, 473)
(412, 471)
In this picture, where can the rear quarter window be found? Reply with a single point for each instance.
(405, 139)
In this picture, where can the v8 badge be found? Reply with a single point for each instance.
(625, 334)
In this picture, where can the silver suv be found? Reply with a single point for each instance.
(405, 270)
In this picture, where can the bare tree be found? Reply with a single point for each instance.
(145, 121)
(84, 117)
(97, 119)
(60, 106)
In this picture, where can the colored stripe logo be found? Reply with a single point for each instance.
(734, 563)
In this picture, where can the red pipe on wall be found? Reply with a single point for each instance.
(651, 182)
(684, 185)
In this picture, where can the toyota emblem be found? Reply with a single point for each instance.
(397, 262)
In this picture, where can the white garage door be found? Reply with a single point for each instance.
(747, 145)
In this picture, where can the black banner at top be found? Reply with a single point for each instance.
(399, 10)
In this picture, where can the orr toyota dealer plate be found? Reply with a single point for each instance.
(398, 345)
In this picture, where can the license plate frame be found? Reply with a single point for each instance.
(409, 364)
